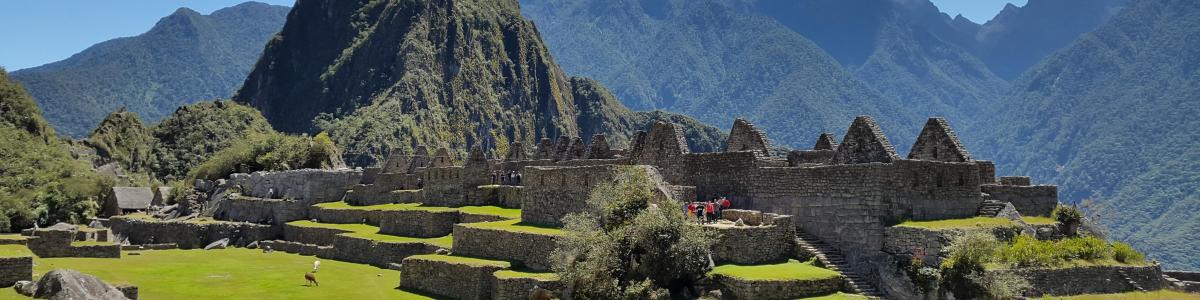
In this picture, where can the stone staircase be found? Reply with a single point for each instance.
(832, 258)
(1131, 281)
(990, 208)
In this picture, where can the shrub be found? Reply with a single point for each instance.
(1068, 215)
(963, 267)
(1027, 251)
(1125, 253)
(1086, 248)
(270, 152)
(631, 244)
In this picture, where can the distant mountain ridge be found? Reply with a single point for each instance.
(388, 76)
(186, 57)
(1112, 118)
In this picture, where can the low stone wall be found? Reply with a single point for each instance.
(477, 218)
(507, 196)
(13, 269)
(375, 253)
(736, 288)
(418, 223)
(149, 247)
(1037, 200)
(527, 249)
(240, 208)
(519, 287)
(189, 235)
(1089, 280)
(449, 280)
(906, 241)
(344, 216)
(309, 185)
(298, 248)
(754, 244)
(311, 235)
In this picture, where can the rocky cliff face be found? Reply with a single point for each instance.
(383, 76)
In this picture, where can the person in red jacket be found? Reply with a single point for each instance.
(725, 203)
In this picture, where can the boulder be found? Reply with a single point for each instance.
(25, 288)
(64, 284)
(252, 245)
(219, 244)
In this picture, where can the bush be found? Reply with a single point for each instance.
(631, 245)
(1086, 248)
(1027, 251)
(1125, 253)
(963, 267)
(1068, 215)
(269, 152)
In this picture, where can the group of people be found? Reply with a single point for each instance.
(510, 178)
(707, 212)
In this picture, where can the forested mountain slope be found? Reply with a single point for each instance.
(186, 57)
(1113, 118)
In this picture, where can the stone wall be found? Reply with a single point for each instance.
(189, 235)
(375, 253)
(736, 288)
(1089, 280)
(754, 244)
(310, 185)
(906, 241)
(1037, 200)
(802, 157)
(444, 186)
(240, 208)
(519, 287)
(311, 235)
(745, 137)
(344, 216)
(553, 192)
(448, 280)
(418, 223)
(521, 248)
(13, 269)
(499, 195)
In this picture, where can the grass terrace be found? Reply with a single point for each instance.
(146, 217)
(91, 243)
(516, 225)
(544, 276)
(233, 274)
(13, 236)
(969, 223)
(14, 251)
(1155, 295)
(369, 232)
(838, 296)
(471, 261)
(508, 213)
(786, 271)
(1038, 220)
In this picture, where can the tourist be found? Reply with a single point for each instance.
(420, 183)
(725, 204)
(699, 212)
(492, 179)
(518, 178)
(709, 211)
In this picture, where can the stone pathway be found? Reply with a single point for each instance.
(832, 258)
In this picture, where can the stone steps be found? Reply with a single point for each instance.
(1131, 281)
(990, 208)
(832, 258)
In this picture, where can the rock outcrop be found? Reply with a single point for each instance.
(64, 284)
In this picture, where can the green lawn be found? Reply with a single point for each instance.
(790, 270)
(515, 225)
(91, 243)
(232, 274)
(544, 276)
(14, 251)
(976, 222)
(838, 296)
(372, 233)
(1155, 295)
(507, 213)
(15, 236)
(1038, 220)
(464, 260)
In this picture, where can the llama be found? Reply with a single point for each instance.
(311, 278)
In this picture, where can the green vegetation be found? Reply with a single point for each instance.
(369, 232)
(545, 276)
(122, 138)
(12, 236)
(1038, 220)
(40, 182)
(964, 269)
(652, 252)
(1067, 215)
(14, 251)
(976, 222)
(516, 225)
(838, 296)
(1112, 118)
(186, 57)
(464, 260)
(1155, 295)
(91, 243)
(232, 274)
(194, 133)
(507, 213)
(785, 271)
(270, 151)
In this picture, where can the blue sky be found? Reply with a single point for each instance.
(36, 32)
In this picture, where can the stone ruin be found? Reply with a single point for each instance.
(844, 196)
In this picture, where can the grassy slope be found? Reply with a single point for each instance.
(976, 222)
(372, 233)
(508, 213)
(790, 270)
(232, 274)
